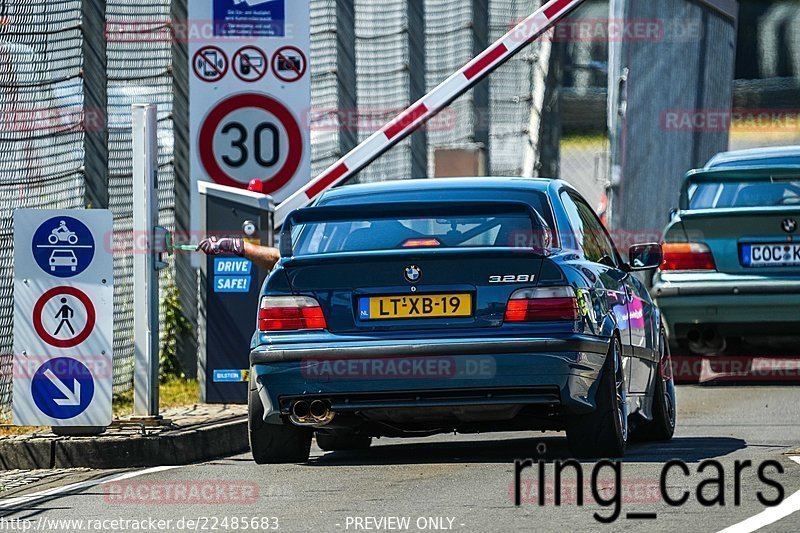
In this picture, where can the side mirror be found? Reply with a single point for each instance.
(673, 213)
(645, 257)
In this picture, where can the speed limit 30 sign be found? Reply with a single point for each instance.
(251, 136)
(246, 123)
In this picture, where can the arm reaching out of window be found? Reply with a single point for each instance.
(263, 256)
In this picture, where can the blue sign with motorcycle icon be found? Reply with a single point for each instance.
(63, 247)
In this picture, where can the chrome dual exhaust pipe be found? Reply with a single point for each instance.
(314, 414)
(300, 410)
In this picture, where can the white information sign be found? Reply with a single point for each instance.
(250, 93)
(63, 317)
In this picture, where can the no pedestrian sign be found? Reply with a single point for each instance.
(63, 317)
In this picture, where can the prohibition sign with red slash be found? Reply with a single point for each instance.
(45, 335)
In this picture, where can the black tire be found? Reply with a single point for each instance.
(340, 442)
(662, 427)
(604, 432)
(274, 443)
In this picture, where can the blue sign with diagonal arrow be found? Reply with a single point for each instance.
(62, 388)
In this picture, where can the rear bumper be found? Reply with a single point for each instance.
(736, 307)
(411, 348)
(354, 377)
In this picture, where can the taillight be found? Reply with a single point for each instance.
(542, 304)
(687, 256)
(287, 313)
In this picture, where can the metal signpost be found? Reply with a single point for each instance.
(250, 95)
(148, 244)
(63, 317)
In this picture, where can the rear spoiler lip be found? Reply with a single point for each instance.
(395, 210)
(413, 253)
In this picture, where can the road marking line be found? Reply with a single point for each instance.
(770, 515)
(36, 497)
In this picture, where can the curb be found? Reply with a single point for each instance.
(175, 447)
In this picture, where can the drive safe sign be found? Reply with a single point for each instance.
(249, 91)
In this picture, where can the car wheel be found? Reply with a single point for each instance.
(340, 442)
(662, 427)
(274, 443)
(604, 432)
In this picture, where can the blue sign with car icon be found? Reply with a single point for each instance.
(63, 246)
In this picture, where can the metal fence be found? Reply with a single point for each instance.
(139, 71)
(696, 53)
(393, 39)
(47, 118)
(41, 138)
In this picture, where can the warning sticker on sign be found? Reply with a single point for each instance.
(249, 18)
(210, 64)
(250, 64)
(289, 64)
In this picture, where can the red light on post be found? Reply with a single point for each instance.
(255, 186)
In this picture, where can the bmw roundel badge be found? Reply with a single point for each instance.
(412, 274)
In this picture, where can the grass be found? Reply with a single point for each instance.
(582, 141)
(175, 392)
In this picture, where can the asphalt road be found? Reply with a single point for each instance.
(465, 483)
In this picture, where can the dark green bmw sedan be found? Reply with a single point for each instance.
(730, 282)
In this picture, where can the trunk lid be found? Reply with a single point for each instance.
(748, 240)
(346, 284)
(413, 265)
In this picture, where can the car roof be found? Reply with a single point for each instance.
(765, 156)
(411, 185)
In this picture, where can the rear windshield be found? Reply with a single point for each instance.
(502, 230)
(744, 194)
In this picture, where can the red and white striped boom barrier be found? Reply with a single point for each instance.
(429, 105)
